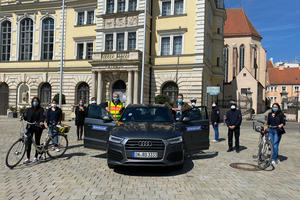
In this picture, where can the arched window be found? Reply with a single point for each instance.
(226, 57)
(242, 57)
(26, 39)
(45, 94)
(170, 89)
(83, 92)
(47, 39)
(5, 41)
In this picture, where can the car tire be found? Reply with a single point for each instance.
(111, 166)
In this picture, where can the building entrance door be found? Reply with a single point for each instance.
(120, 88)
(3, 98)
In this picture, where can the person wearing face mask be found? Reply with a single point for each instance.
(193, 102)
(179, 107)
(215, 120)
(276, 121)
(79, 118)
(53, 117)
(115, 107)
(34, 114)
(233, 122)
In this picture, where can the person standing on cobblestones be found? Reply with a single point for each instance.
(79, 118)
(215, 120)
(276, 121)
(34, 114)
(233, 122)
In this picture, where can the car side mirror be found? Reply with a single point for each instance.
(186, 119)
(107, 119)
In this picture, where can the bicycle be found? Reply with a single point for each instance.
(265, 147)
(53, 149)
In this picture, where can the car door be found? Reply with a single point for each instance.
(195, 130)
(97, 126)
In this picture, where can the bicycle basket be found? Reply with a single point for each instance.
(63, 128)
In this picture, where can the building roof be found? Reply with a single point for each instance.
(269, 64)
(238, 24)
(284, 76)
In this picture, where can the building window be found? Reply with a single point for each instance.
(131, 41)
(24, 94)
(5, 41)
(275, 99)
(132, 5)
(226, 56)
(121, 5)
(283, 89)
(89, 51)
(218, 61)
(178, 7)
(166, 8)
(48, 39)
(165, 46)
(109, 42)
(171, 90)
(110, 5)
(82, 92)
(90, 17)
(26, 39)
(80, 51)
(275, 89)
(45, 94)
(242, 57)
(80, 18)
(177, 45)
(296, 88)
(120, 41)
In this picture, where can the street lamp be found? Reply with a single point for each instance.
(62, 52)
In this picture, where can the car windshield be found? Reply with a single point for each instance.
(96, 112)
(147, 114)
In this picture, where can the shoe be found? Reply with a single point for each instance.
(57, 150)
(230, 149)
(277, 161)
(273, 162)
(237, 150)
(26, 161)
(215, 141)
(52, 149)
(35, 160)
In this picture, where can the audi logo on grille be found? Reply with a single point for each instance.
(145, 143)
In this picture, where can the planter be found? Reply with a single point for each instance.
(11, 114)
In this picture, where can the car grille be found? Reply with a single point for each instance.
(138, 145)
(114, 155)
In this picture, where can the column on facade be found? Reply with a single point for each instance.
(129, 94)
(99, 88)
(94, 77)
(136, 87)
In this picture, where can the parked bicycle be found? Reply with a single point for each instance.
(54, 146)
(265, 147)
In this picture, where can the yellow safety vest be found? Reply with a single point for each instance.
(114, 110)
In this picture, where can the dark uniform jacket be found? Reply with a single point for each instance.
(80, 116)
(215, 115)
(234, 118)
(34, 115)
(58, 115)
(185, 107)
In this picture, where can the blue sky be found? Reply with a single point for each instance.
(278, 21)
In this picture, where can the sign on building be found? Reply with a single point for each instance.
(213, 90)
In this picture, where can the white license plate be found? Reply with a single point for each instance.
(145, 154)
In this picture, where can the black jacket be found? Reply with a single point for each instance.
(34, 115)
(215, 115)
(58, 115)
(280, 119)
(80, 116)
(234, 117)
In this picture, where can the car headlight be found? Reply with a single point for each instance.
(115, 139)
(175, 140)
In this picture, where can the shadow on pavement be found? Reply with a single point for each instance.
(221, 139)
(75, 146)
(282, 158)
(205, 155)
(103, 156)
(242, 148)
(70, 155)
(155, 171)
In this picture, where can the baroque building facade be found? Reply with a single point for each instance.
(167, 47)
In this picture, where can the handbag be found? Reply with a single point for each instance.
(281, 131)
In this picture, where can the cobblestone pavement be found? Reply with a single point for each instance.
(83, 173)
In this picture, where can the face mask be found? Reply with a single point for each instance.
(54, 105)
(81, 104)
(94, 102)
(213, 105)
(116, 99)
(179, 100)
(193, 104)
(233, 107)
(35, 103)
(275, 109)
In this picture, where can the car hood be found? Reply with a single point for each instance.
(146, 130)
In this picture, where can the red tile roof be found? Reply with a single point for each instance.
(286, 76)
(269, 64)
(238, 24)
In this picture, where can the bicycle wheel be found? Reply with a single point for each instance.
(57, 145)
(15, 154)
(265, 154)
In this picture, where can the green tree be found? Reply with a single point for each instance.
(161, 99)
(56, 98)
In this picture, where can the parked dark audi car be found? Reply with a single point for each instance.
(147, 135)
